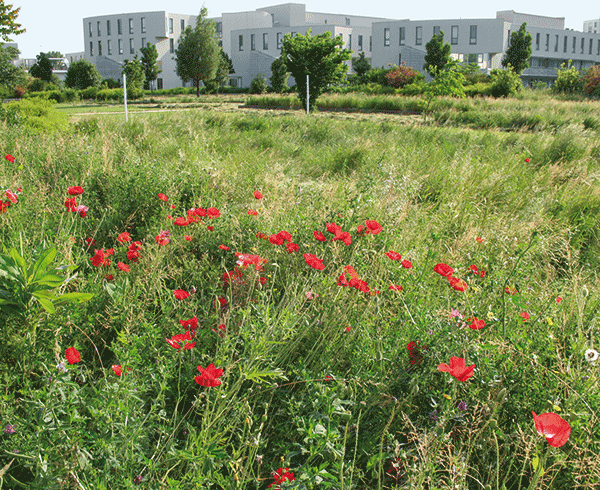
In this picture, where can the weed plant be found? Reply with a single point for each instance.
(292, 377)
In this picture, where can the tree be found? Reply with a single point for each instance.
(10, 75)
(319, 57)
(42, 68)
(149, 63)
(197, 55)
(279, 75)
(519, 50)
(448, 83)
(224, 69)
(54, 54)
(361, 65)
(8, 26)
(134, 70)
(438, 54)
(81, 75)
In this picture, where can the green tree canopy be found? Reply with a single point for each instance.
(42, 68)
(519, 50)
(224, 69)
(361, 65)
(82, 74)
(320, 57)
(10, 75)
(54, 54)
(197, 55)
(134, 70)
(438, 54)
(149, 64)
(279, 75)
(8, 26)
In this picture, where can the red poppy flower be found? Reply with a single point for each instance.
(187, 237)
(252, 212)
(10, 158)
(395, 287)
(457, 368)
(109, 277)
(479, 239)
(162, 197)
(474, 269)
(133, 253)
(192, 323)
(415, 353)
(90, 241)
(223, 247)
(210, 228)
(221, 302)
(458, 284)
(344, 236)
(261, 235)
(475, 323)
(263, 281)
(100, 257)
(314, 262)
(181, 221)
(373, 227)
(75, 190)
(360, 230)
(393, 255)
(555, 429)
(558, 299)
(163, 238)
(257, 194)
(244, 260)
(443, 270)
(73, 356)
(213, 213)
(525, 316)
(292, 247)
(319, 236)
(123, 267)
(176, 341)
(124, 237)
(333, 228)
(118, 370)
(510, 290)
(347, 328)
(281, 475)
(71, 204)
(208, 376)
(180, 294)
(276, 239)
(12, 197)
(407, 264)
(527, 160)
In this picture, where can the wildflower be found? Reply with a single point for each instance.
(415, 353)
(221, 302)
(118, 370)
(223, 247)
(319, 236)
(9, 429)
(393, 255)
(292, 247)
(177, 339)
(311, 295)
(510, 290)
(276, 239)
(181, 221)
(222, 328)
(192, 323)
(187, 237)
(244, 260)
(314, 262)
(475, 323)
(208, 376)
(373, 227)
(433, 415)
(70, 204)
(73, 356)
(124, 237)
(10, 158)
(163, 238)
(109, 277)
(558, 299)
(525, 316)
(281, 475)
(479, 239)
(458, 284)
(12, 197)
(591, 355)
(133, 253)
(395, 287)
(82, 210)
(257, 195)
(343, 236)
(180, 294)
(407, 264)
(527, 160)
(61, 367)
(457, 368)
(100, 257)
(213, 213)
(347, 328)
(261, 235)
(138, 479)
(462, 406)
(443, 270)
(252, 212)
(90, 241)
(553, 428)
(162, 197)
(210, 228)
(455, 314)
(75, 190)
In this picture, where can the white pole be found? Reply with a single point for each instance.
(307, 94)
(125, 94)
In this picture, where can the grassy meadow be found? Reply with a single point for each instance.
(330, 379)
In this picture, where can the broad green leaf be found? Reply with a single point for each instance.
(47, 305)
(44, 294)
(42, 263)
(52, 280)
(73, 298)
(20, 261)
(7, 302)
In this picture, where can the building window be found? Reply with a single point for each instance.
(219, 27)
(565, 44)
(370, 43)
(473, 35)
(265, 41)
(98, 28)
(241, 43)
(119, 27)
(131, 46)
(172, 45)
(220, 43)
(347, 21)
(293, 34)
(547, 42)
(436, 30)
(143, 42)
(99, 48)
(537, 41)
(582, 45)
(108, 27)
(159, 83)
(170, 25)
(360, 38)
(252, 42)
(402, 34)
(90, 26)
(91, 48)
(182, 25)
(386, 36)
(109, 47)
(143, 26)
(598, 53)
(556, 43)
(120, 42)
(591, 45)
(419, 35)
(350, 41)
(574, 43)
(454, 35)
(130, 26)
(508, 39)
(279, 40)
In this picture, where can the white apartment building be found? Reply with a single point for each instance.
(484, 41)
(591, 25)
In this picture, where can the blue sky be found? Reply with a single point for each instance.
(58, 25)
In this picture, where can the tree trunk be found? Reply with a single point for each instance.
(197, 82)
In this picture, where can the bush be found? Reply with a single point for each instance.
(401, 76)
(81, 75)
(38, 85)
(89, 93)
(478, 89)
(110, 83)
(505, 83)
(568, 80)
(376, 75)
(258, 85)
(71, 95)
(591, 81)
(36, 114)
(115, 94)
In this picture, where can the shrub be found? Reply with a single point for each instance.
(81, 75)
(89, 93)
(110, 83)
(55, 95)
(258, 85)
(279, 75)
(568, 80)
(71, 95)
(37, 115)
(505, 83)
(377, 75)
(478, 89)
(401, 76)
(591, 81)
(38, 85)
(115, 94)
